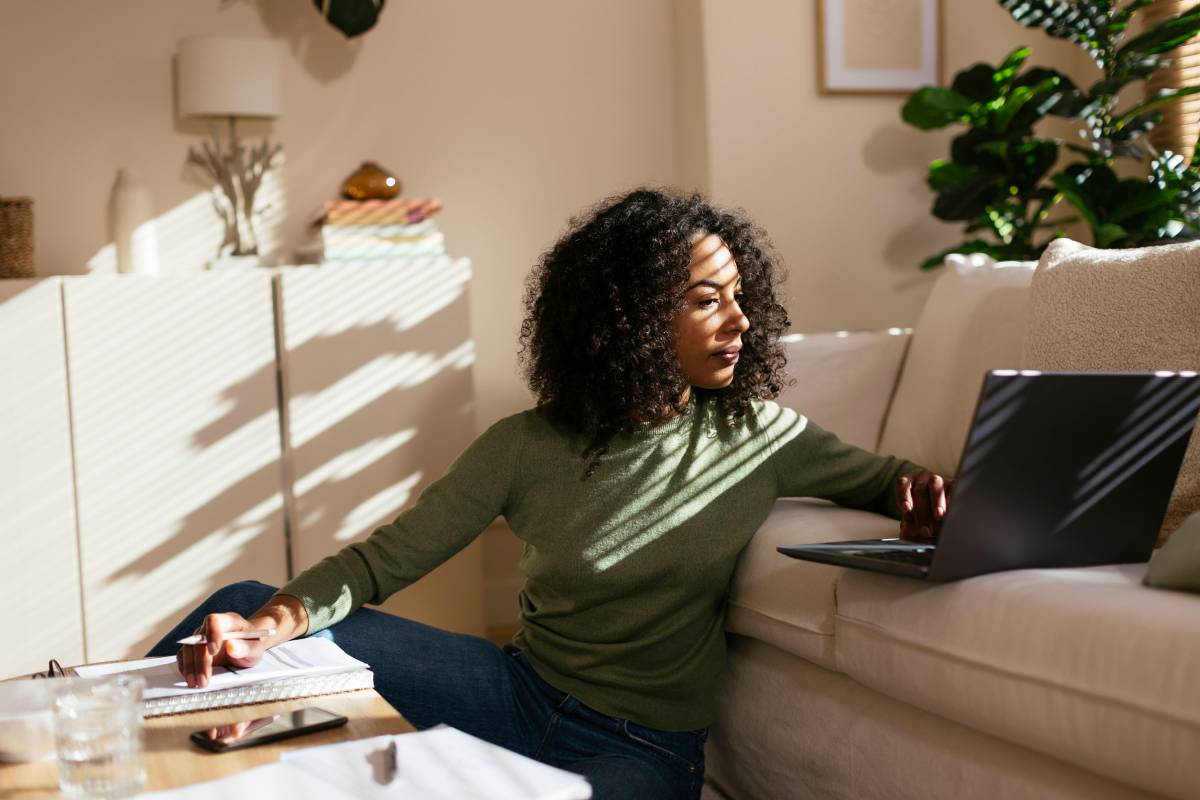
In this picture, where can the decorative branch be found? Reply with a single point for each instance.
(238, 175)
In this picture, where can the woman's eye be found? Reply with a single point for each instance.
(707, 302)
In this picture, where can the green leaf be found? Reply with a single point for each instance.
(1108, 233)
(1137, 127)
(1011, 65)
(1063, 99)
(1078, 22)
(1140, 197)
(1070, 190)
(1167, 35)
(934, 107)
(351, 17)
(977, 83)
(944, 174)
(1126, 13)
(1055, 223)
(966, 201)
(1163, 97)
(1017, 100)
(976, 147)
(1031, 160)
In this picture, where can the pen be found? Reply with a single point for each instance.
(258, 633)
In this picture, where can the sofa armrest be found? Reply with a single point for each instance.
(845, 381)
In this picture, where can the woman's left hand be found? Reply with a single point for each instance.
(924, 499)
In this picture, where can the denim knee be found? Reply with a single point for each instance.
(244, 597)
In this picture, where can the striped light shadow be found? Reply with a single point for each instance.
(614, 544)
(698, 496)
(39, 570)
(176, 440)
(351, 462)
(997, 406)
(383, 505)
(1121, 467)
(1159, 401)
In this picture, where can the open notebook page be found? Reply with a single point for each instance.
(298, 658)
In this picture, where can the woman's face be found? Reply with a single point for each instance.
(708, 331)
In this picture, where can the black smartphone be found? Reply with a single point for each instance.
(248, 733)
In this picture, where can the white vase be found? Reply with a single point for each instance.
(134, 230)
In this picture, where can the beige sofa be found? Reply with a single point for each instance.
(1049, 683)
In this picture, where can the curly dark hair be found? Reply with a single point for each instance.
(596, 341)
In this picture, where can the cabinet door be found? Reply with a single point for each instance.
(39, 585)
(377, 375)
(177, 446)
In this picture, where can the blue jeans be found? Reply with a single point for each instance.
(433, 676)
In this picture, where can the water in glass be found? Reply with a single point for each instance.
(99, 737)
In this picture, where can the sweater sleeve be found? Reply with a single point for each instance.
(447, 517)
(812, 462)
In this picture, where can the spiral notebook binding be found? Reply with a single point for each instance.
(283, 689)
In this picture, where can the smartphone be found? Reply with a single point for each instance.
(248, 733)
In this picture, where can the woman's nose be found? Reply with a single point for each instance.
(737, 320)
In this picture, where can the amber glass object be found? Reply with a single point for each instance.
(371, 182)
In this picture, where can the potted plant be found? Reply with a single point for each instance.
(1001, 178)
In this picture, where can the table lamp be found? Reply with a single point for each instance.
(231, 77)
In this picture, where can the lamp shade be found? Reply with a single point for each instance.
(222, 76)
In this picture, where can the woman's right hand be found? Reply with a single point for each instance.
(196, 661)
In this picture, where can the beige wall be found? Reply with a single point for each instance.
(515, 113)
(838, 181)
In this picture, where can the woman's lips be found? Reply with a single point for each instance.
(728, 357)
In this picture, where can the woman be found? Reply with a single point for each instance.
(653, 455)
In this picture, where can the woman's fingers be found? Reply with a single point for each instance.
(937, 497)
(924, 501)
(922, 515)
(904, 501)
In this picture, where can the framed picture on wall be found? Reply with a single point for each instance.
(878, 46)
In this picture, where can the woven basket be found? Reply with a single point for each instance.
(16, 237)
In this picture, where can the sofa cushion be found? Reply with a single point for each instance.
(1087, 665)
(786, 602)
(844, 381)
(973, 321)
(1120, 311)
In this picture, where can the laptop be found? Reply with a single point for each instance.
(1059, 470)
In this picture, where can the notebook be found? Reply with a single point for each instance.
(299, 668)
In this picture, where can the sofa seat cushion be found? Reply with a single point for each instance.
(1087, 665)
(789, 603)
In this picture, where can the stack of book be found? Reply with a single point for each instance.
(380, 230)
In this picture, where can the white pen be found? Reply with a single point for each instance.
(257, 633)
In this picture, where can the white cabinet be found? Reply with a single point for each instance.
(177, 448)
(161, 436)
(39, 584)
(377, 375)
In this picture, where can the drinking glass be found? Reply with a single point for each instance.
(99, 736)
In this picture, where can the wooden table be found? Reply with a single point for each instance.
(172, 760)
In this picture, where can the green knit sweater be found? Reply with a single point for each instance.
(626, 571)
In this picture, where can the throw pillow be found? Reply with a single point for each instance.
(1121, 311)
(973, 321)
(1176, 565)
